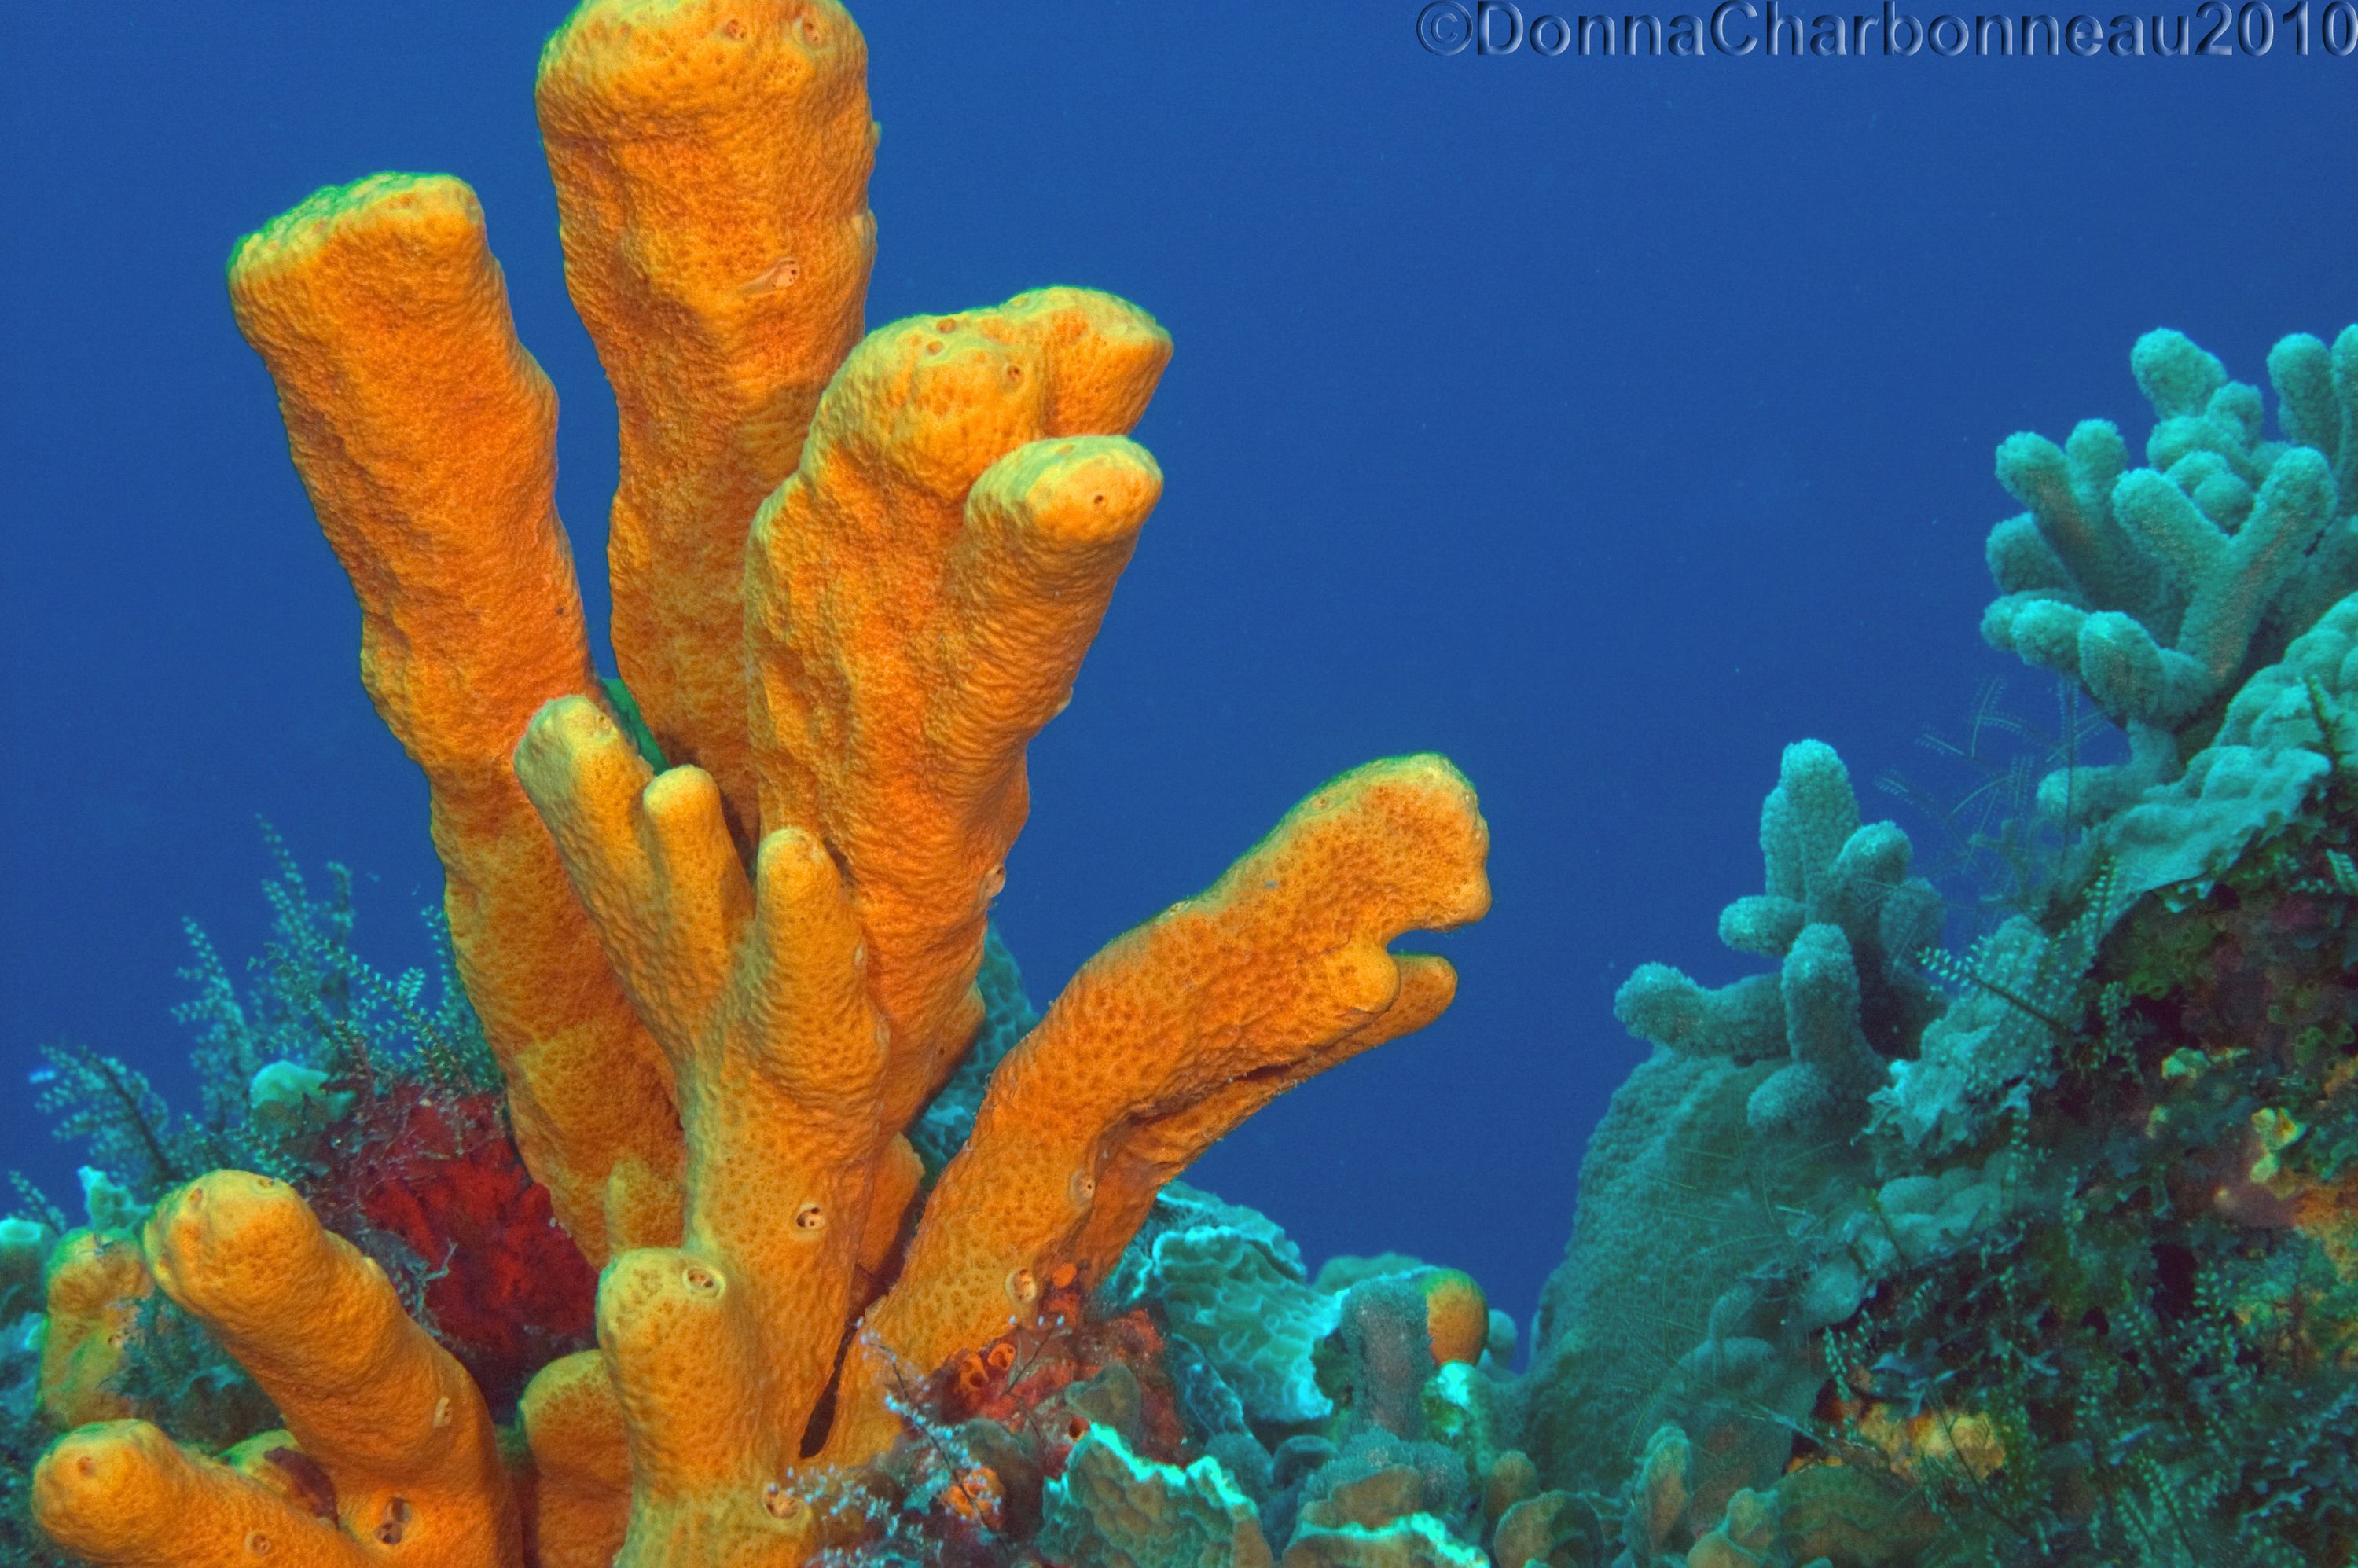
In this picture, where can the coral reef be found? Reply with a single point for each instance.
(1290, 1394)
(2045, 1253)
(2064, 1272)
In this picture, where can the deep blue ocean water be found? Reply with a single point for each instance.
(1605, 424)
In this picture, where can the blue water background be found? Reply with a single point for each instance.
(1604, 424)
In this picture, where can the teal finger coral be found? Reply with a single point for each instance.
(1844, 918)
(2077, 1280)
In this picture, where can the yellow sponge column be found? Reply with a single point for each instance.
(581, 1466)
(918, 598)
(753, 988)
(395, 1422)
(711, 161)
(1165, 1041)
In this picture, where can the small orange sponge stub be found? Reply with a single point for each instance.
(1456, 1315)
(92, 1287)
(581, 1470)
(123, 1494)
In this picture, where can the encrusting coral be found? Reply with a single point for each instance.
(722, 992)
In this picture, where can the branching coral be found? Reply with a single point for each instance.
(722, 992)
(2158, 586)
(2081, 1289)
(1847, 920)
(2167, 590)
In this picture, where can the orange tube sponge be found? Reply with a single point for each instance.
(398, 1427)
(1163, 1043)
(722, 989)
(754, 988)
(918, 599)
(711, 163)
(427, 439)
